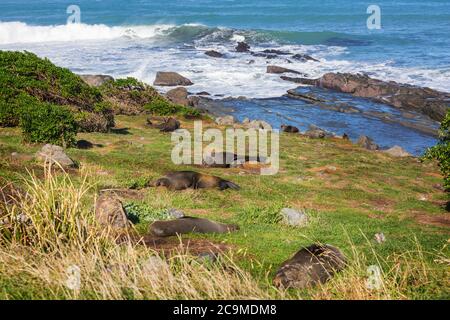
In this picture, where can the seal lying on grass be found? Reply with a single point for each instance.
(310, 266)
(228, 160)
(181, 180)
(188, 225)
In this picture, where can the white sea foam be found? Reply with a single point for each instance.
(19, 32)
(101, 49)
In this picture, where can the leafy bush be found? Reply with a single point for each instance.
(45, 122)
(142, 213)
(9, 116)
(29, 80)
(162, 107)
(441, 152)
(24, 72)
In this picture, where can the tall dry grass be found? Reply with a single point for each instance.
(49, 231)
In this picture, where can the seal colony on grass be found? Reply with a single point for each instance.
(181, 180)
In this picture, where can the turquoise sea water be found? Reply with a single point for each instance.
(138, 38)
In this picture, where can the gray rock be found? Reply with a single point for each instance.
(259, 124)
(214, 54)
(178, 96)
(380, 238)
(242, 47)
(397, 152)
(109, 211)
(175, 213)
(96, 80)
(171, 79)
(51, 154)
(280, 70)
(367, 143)
(225, 121)
(294, 217)
(314, 132)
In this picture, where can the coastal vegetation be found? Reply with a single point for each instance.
(48, 226)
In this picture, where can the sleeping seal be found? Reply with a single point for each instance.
(181, 180)
(309, 266)
(228, 160)
(188, 225)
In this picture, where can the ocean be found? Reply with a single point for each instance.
(138, 38)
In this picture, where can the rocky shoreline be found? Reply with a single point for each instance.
(409, 100)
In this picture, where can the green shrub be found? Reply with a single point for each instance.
(441, 152)
(128, 82)
(29, 80)
(9, 114)
(142, 213)
(47, 123)
(162, 107)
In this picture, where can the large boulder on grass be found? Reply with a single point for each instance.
(109, 212)
(397, 152)
(171, 79)
(294, 218)
(225, 121)
(51, 154)
(367, 143)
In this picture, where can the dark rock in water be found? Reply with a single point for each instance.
(310, 266)
(189, 225)
(310, 82)
(214, 54)
(424, 100)
(304, 58)
(264, 55)
(171, 79)
(203, 93)
(367, 143)
(280, 70)
(242, 47)
(290, 129)
(178, 96)
(276, 52)
(96, 80)
(110, 212)
(306, 96)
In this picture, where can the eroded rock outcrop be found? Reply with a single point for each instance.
(427, 101)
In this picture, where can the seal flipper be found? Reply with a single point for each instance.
(224, 184)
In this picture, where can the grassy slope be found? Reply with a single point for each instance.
(368, 193)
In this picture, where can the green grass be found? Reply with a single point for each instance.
(369, 192)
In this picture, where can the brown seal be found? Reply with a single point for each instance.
(189, 225)
(181, 180)
(309, 266)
